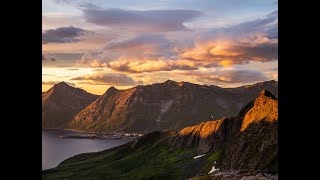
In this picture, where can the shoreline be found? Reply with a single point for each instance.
(67, 130)
(95, 135)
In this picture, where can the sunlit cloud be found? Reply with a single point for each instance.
(250, 41)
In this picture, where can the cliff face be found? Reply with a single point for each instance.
(248, 141)
(61, 103)
(253, 141)
(164, 106)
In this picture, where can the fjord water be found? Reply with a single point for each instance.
(56, 149)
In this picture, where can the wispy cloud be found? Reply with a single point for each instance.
(103, 78)
(48, 58)
(227, 76)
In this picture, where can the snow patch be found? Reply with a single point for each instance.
(196, 157)
(165, 106)
(213, 169)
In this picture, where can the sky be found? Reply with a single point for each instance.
(97, 44)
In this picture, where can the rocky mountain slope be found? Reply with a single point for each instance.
(244, 145)
(164, 106)
(61, 103)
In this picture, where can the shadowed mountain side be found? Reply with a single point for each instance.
(164, 106)
(238, 143)
(61, 103)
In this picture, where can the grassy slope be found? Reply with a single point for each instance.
(127, 162)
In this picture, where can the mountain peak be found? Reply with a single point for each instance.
(112, 89)
(169, 81)
(62, 84)
(62, 102)
(267, 94)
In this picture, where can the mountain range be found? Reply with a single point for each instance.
(240, 144)
(162, 106)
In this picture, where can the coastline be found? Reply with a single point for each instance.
(74, 130)
(95, 135)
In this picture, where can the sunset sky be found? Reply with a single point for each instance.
(96, 44)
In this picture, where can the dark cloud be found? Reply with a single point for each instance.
(64, 35)
(51, 83)
(65, 56)
(103, 78)
(151, 20)
(228, 76)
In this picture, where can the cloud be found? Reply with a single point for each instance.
(253, 41)
(228, 76)
(51, 83)
(64, 35)
(144, 53)
(143, 46)
(48, 58)
(48, 75)
(103, 78)
(72, 69)
(98, 69)
(146, 21)
(139, 66)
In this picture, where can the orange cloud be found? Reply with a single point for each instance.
(138, 65)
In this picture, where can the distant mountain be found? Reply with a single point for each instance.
(164, 106)
(239, 146)
(61, 103)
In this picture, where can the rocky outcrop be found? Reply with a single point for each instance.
(203, 137)
(61, 103)
(164, 106)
